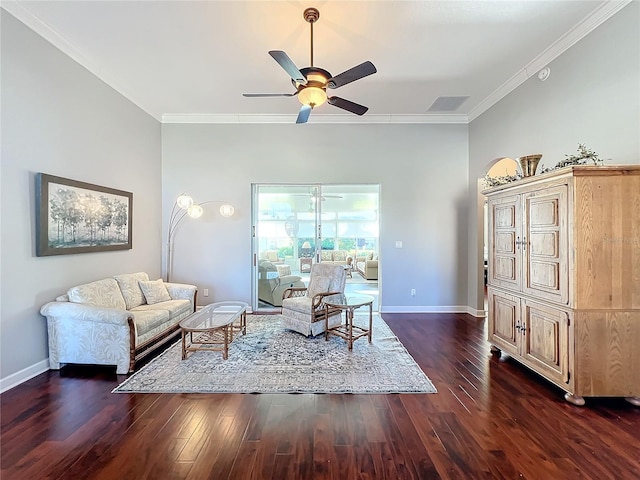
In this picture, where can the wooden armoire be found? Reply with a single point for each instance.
(563, 280)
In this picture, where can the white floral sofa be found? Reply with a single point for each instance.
(115, 321)
(335, 257)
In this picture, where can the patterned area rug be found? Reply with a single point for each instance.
(270, 359)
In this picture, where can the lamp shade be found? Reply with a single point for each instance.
(195, 211)
(227, 210)
(306, 245)
(184, 201)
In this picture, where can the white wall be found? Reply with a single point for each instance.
(592, 97)
(422, 170)
(57, 118)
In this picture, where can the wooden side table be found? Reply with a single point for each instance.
(305, 264)
(348, 330)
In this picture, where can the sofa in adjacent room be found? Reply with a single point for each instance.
(272, 256)
(115, 321)
(366, 264)
(335, 257)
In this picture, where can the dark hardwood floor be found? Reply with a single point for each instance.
(491, 418)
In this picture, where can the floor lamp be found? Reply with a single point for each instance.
(182, 207)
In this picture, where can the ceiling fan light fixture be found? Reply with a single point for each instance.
(312, 96)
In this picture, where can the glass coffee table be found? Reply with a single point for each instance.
(213, 327)
(348, 330)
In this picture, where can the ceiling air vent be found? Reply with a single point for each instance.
(447, 104)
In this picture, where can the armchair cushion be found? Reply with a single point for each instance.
(318, 284)
(154, 291)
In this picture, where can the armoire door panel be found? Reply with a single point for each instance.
(544, 244)
(504, 318)
(545, 258)
(544, 276)
(505, 242)
(505, 216)
(505, 225)
(504, 269)
(543, 212)
(545, 344)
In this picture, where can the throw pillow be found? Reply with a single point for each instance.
(130, 287)
(318, 285)
(155, 291)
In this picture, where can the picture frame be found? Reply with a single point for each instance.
(79, 217)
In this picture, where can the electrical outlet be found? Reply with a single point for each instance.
(205, 292)
(413, 292)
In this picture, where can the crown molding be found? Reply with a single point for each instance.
(605, 11)
(19, 10)
(316, 118)
(557, 48)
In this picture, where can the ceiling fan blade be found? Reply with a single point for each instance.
(304, 113)
(269, 94)
(356, 73)
(348, 105)
(285, 62)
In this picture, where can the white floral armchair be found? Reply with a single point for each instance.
(304, 309)
(115, 321)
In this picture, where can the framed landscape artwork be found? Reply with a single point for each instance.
(79, 217)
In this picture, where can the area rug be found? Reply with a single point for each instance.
(271, 359)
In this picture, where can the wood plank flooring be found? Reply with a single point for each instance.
(491, 418)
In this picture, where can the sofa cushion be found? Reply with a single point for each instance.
(147, 320)
(101, 293)
(174, 307)
(154, 291)
(130, 288)
(326, 255)
(339, 255)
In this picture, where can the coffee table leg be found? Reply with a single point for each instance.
(350, 322)
(184, 347)
(370, 320)
(326, 323)
(225, 349)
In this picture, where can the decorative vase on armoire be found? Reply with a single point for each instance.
(529, 164)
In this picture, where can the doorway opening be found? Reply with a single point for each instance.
(295, 226)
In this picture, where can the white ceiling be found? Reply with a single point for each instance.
(190, 61)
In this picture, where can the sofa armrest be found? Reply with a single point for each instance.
(182, 291)
(372, 263)
(88, 313)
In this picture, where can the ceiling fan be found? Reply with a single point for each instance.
(314, 196)
(311, 83)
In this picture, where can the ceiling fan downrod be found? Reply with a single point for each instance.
(311, 15)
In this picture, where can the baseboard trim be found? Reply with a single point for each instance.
(476, 313)
(432, 309)
(23, 375)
